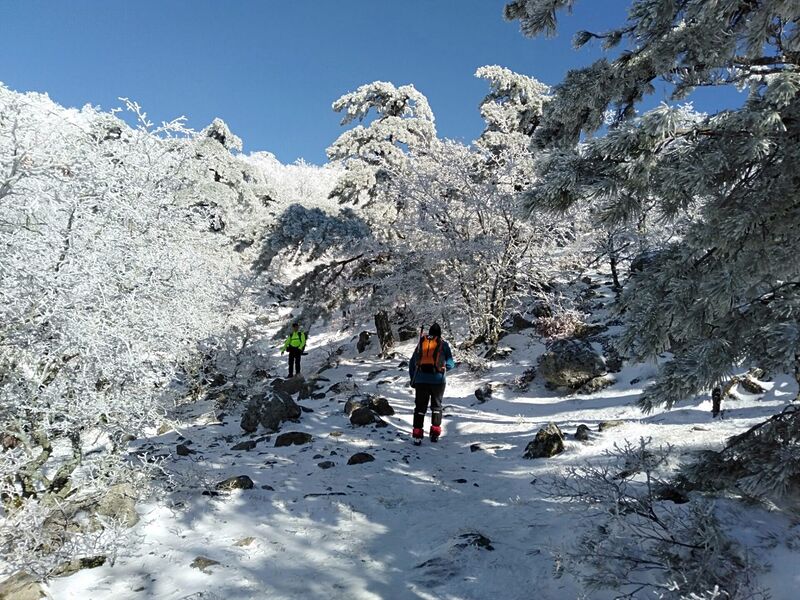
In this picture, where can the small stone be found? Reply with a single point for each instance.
(269, 488)
(362, 416)
(460, 480)
(475, 447)
(360, 458)
(326, 464)
(241, 482)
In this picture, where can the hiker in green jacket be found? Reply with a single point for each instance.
(295, 344)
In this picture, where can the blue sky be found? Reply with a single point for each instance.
(270, 68)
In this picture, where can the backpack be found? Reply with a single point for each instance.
(430, 359)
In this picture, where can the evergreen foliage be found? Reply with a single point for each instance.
(728, 290)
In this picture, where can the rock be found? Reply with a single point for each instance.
(245, 446)
(269, 411)
(290, 386)
(353, 403)
(582, 433)
(259, 375)
(245, 542)
(202, 563)
(269, 488)
(362, 416)
(240, 482)
(751, 386)
(475, 539)
(613, 360)
(318, 396)
(373, 374)
(78, 564)
(21, 586)
(341, 387)
(218, 381)
(499, 353)
(520, 323)
(407, 332)
(184, 450)
(523, 382)
(9, 442)
(164, 428)
(548, 442)
(293, 438)
(364, 340)
(119, 503)
(326, 464)
(306, 409)
(571, 363)
(609, 425)
(359, 458)
(484, 392)
(475, 447)
(597, 384)
(381, 406)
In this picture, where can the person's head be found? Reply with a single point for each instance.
(295, 326)
(435, 330)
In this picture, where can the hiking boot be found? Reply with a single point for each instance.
(436, 431)
(416, 436)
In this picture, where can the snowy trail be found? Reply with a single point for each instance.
(402, 526)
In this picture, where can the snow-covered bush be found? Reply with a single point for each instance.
(108, 283)
(641, 535)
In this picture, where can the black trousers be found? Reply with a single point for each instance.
(428, 393)
(294, 360)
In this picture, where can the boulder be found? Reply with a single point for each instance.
(269, 411)
(183, 450)
(119, 503)
(353, 403)
(381, 406)
(21, 586)
(548, 442)
(293, 438)
(360, 458)
(597, 384)
(582, 433)
(484, 392)
(240, 482)
(361, 416)
(290, 386)
(326, 464)
(571, 363)
(520, 323)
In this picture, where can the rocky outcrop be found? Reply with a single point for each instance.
(571, 363)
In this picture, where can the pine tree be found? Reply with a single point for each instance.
(728, 290)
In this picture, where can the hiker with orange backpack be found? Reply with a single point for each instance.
(428, 368)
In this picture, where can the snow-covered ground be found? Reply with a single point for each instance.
(407, 524)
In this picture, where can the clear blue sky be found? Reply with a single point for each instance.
(272, 68)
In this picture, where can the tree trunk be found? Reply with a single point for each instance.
(612, 258)
(716, 401)
(384, 329)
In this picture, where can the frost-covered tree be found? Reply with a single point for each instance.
(468, 249)
(728, 290)
(402, 124)
(108, 285)
(512, 109)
